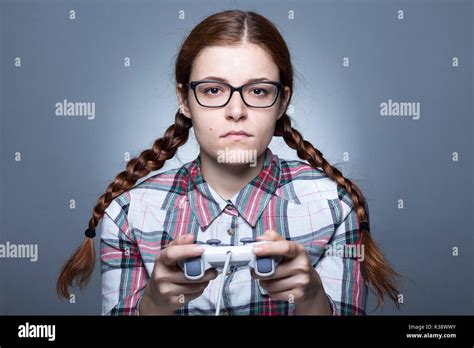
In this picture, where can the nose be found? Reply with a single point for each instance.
(236, 107)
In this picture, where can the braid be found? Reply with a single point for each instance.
(80, 265)
(375, 269)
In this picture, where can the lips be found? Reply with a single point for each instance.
(236, 133)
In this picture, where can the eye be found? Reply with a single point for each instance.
(261, 91)
(213, 89)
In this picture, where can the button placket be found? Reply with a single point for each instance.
(232, 230)
(226, 290)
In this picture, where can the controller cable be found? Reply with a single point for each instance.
(221, 285)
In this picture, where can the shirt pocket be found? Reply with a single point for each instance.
(312, 224)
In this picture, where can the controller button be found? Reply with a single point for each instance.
(264, 265)
(248, 240)
(213, 241)
(193, 268)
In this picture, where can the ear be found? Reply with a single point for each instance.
(185, 109)
(284, 101)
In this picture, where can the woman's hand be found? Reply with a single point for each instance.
(295, 280)
(168, 289)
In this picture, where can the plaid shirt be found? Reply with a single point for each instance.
(289, 196)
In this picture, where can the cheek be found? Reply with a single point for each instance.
(205, 129)
(266, 130)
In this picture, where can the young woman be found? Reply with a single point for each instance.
(236, 188)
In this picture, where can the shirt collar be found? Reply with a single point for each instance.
(250, 201)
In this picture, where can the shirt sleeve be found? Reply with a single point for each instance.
(340, 265)
(124, 276)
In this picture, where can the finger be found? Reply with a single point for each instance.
(170, 255)
(287, 295)
(282, 284)
(270, 235)
(184, 289)
(282, 248)
(183, 239)
(178, 277)
(190, 297)
(283, 270)
(179, 300)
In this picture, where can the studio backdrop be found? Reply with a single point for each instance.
(383, 89)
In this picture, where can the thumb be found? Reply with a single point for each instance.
(269, 235)
(183, 239)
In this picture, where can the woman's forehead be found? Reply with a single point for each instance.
(234, 63)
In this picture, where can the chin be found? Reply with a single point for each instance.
(237, 155)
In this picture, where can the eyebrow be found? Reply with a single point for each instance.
(216, 78)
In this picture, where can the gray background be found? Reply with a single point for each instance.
(336, 108)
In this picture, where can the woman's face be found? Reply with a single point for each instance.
(237, 65)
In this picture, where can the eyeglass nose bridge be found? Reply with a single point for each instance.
(236, 89)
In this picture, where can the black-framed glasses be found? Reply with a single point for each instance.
(215, 94)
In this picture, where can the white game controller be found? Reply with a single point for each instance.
(214, 256)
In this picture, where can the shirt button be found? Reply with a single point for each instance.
(229, 207)
(230, 231)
